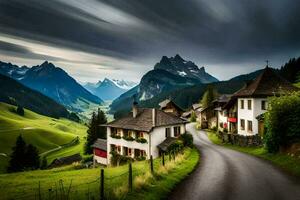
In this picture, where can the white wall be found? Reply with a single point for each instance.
(158, 135)
(124, 143)
(249, 114)
(221, 119)
(100, 160)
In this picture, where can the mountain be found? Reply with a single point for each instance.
(126, 85)
(109, 89)
(178, 66)
(53, 82)
(247, 77)
(168, 75)
(13, 92)
(91, 86)
(186, 96)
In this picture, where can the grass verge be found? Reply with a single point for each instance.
(85, 184)
(289, 164)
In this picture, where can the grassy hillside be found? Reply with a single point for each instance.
(44, 132)
(85, 182)
(297, 84)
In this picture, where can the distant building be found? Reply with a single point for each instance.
(251, 101)
(140, 133)
(169, 106)
(65, 160)
(222, 115)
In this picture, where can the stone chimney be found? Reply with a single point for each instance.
(134, 109)
(153, 117)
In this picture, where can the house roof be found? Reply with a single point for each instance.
(186, 114)
(165, 103)
(166, 143)
(268, 83)
(66, 160)
(261, 117)
(218, 109)
(196, 106)
(100, 144)
(143, 120)
(224, 98)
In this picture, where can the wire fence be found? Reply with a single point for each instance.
(103, 187)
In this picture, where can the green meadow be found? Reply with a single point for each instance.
(72, 183)
(46, 133)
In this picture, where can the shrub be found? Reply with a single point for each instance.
(87, 158)
(141, 140)
(20, 110)
(225, 130)
(214, 129)
(193, 117)
(117, 159)
(187, 139)
(115, 136)
(140, 158)
(128, 138)
(176, 147)
(282, 121)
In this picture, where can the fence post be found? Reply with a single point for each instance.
(163, 159)
(151, 164)
(40, 197)
(102, 184)
(130, 177)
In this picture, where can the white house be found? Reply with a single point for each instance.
(141, 132)
(222, 114)
(252, 100)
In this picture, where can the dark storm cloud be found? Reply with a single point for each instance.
(219, 33)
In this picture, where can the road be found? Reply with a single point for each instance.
(227, 174)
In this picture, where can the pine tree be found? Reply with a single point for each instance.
(32, 158)
(101, 119)
(91, 134)
(95, 131)
(44, 163)
(20, 110)
(17, 158)
(208, 96)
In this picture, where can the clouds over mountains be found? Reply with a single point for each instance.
(112, 36)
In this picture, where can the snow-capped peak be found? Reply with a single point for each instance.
(124, 84)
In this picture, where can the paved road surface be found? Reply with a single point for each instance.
(228, 174)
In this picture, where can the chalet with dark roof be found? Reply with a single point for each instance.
(251, 101)
(169, 106)
(139, 134)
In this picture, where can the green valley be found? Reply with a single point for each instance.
(47, 134)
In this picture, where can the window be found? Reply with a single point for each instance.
(242, 104)
(119, 131)
(249, 126)
(249, 104)
(168, 132)
(140, 135)
(176, 131)
(118, 149)
(263, 105)
(242, 124)
(221, 124)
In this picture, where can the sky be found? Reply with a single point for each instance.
(123, 39)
